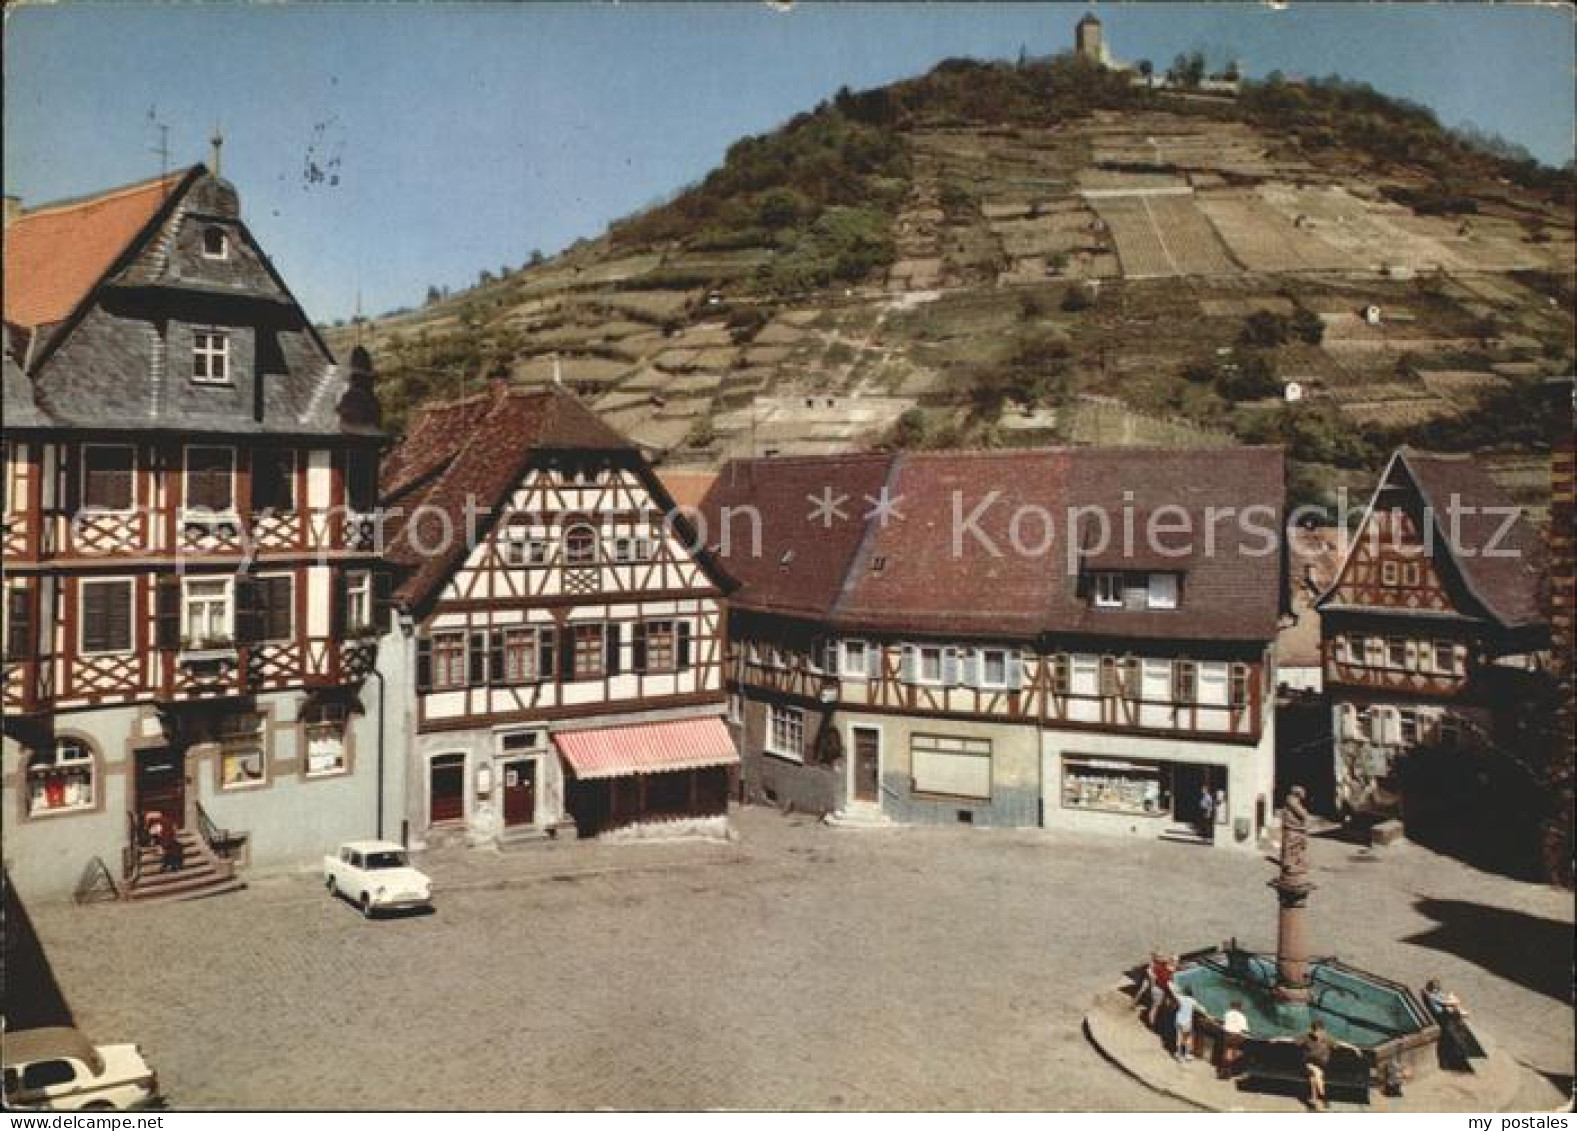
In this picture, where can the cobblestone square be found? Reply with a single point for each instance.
(800, 967)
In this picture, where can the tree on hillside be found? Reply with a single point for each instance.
(434, 294)
(1188, 70)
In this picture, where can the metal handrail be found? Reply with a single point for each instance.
(131, 859)
(217, 839)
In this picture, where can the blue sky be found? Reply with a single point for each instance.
(464, 136)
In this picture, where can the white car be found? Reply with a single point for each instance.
(376, 875)
(58, 1069)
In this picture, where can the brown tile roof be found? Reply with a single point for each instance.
(799, 564)
(931, 572)
(472, 452)
(55, 254)
(1507, 578)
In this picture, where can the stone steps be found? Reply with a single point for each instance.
(200, 875)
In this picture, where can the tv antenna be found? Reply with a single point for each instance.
(163, 148)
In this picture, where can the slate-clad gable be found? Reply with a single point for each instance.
(122, 356)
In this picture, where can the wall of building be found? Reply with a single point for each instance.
(289, 819)
(1015, 770)
(808, 786)
(1249, 772)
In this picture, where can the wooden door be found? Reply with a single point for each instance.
(520, 792)
(161, 786)
(446, 793)
(867, 764)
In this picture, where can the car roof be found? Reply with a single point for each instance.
(28, 1045)
(373, 846)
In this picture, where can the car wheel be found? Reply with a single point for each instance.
(99, 1105)
(366, 906)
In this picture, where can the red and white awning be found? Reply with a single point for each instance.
(647, 748)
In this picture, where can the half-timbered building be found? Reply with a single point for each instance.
(564, 664)
(955, 637)
(190, 590)
(1432, 623)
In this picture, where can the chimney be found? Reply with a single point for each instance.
(13, 208)
(217, 141)
(359, 408)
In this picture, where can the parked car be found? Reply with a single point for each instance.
(58, 1069)
(376, 875)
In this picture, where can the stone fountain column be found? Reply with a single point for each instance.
(1292, 892)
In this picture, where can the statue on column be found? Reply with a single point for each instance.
(1295, 833)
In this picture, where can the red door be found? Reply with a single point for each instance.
(520, 792)
(161, 786)
(446, 795)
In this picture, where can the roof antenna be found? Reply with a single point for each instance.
(163, 148)
(358, 319)
(217, 141)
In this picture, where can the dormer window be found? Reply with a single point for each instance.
(1163, 591)
(216, 244)
(580, 546)
(1134, 591)
(211, 357)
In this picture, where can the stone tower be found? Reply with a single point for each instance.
(1087, 42)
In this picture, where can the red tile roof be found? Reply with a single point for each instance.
(647, 748)
(462, 459)
(947, 562)
(57, 253)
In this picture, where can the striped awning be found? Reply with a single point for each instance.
(647, 748)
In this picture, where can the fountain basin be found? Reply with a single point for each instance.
(1381, 1017)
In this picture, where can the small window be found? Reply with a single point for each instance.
(580, 546)
(786, 732)
(1390, 573)
(240, 767)
(590, 651)
(60, 779)
(358, 601)
(1108, 590)
(1109, 681)
(661, 646)
(520, 741)
(210, 479)
(1163, 591)
(274, 480)
(1185, 683)
(520, 656)
(449, 669)
(1412, 574)
(211, 357)
(1445, 657)
(878, 563)
(930, 670)
(1239, 685)
(108, 477)
(1408, 726)
(216, 243)
(1396, 652)
(324, 722)
(1130, 679)
(106, 617)
(855, 659)
(993, 667)
(207, 613)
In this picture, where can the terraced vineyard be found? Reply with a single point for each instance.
(1030, 266)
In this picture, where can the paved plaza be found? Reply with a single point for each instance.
(799, 967)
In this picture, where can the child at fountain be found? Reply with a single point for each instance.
(1316, 1048)
(1183, 1024)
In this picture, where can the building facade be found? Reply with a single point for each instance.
(1432, 625)
(561, 651)
(914, 640)
(191, 591)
